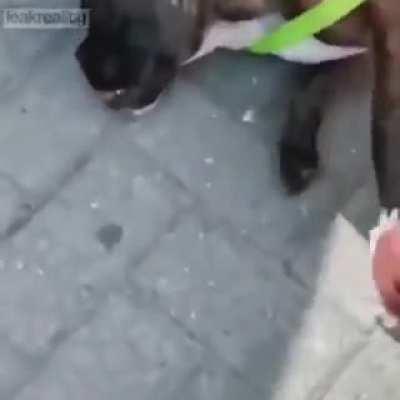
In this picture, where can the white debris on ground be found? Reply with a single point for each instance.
(121, 272)
(249, 116)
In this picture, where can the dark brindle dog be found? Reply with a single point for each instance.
(135, 47)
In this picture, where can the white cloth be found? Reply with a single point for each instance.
(241, 35)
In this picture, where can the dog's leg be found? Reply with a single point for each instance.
(385, 22)
(298, 148)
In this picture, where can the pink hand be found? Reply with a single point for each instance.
(386, 269)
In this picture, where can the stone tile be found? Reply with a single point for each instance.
(124, 351)
(372, 375)
(338, 267)
(326, 343)
(341, 319)
(236, 300)
(213, 382)
(56, 271)
(238, 303)
(22, 50)
(48, 128)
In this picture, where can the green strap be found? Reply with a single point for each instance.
(311, 22)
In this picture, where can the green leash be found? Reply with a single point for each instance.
(311, 22)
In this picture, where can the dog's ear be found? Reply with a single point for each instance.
(82, 53)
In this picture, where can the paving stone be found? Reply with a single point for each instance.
(238, 302)
(49, 128)
(216, 290)
(373, 375)
(55, 272)
(21, 50)
(123, 352)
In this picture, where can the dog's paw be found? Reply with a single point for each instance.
(298, 167)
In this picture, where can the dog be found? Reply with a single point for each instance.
(134, 49)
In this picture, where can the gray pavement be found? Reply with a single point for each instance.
(159, 258)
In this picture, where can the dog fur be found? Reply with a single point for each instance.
(135, 47)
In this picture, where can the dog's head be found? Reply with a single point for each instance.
(134, 47)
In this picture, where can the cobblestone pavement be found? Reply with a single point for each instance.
(160, 259)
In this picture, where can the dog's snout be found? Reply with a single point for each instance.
(122, 98)
(108, 96)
